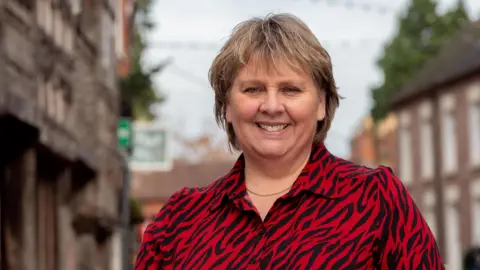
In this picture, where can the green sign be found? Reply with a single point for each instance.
(150, 147)
(124, 133)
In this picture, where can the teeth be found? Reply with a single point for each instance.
(273, 128)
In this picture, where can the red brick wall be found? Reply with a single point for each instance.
(363, 144)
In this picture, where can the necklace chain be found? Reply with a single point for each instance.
(270, 194)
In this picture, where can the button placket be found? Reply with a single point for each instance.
(261, 229)
(261, 232)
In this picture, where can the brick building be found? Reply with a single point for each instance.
(375, 144)
(153, 188)
(60, 174)
(439, 143)
(124, 29)
(362, 144)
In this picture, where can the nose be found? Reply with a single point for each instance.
(272, 103)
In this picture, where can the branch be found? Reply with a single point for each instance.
(158, 68)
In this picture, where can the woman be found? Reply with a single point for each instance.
(287, 203)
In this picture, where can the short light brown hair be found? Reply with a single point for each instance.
(276, 37)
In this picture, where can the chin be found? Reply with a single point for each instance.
(271, 150)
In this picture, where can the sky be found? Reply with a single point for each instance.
(190, 32)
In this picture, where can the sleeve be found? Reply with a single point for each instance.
(150, 254)
(407, 241)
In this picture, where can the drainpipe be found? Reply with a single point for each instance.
(438, 181)
(125, 215)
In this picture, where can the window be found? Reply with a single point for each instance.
(42, 94)
(475, 218)
(449, 140)
(48, 20)
(405, 149)
(113, 4)
(102, 116)
(476, 221)
(60, 103)
(107, 40)
(119, 29)
(426, 141)
(452, 227)
(89, 23)
(116, 251)
(385, 157)
(474, 124)
(50, 93)
(58, 27)
(68, 39)
(54, 98)
(430, 218)
(46, 223)
(76, 7)
(53, 23)
(429, 203)
(42, 13)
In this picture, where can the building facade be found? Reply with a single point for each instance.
(60, 175)
(152, 189)
(439, 143)
(124, 30)
(362, 144)
(375, 144)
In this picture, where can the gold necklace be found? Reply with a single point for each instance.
(270, 194)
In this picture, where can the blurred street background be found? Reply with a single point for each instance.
(106, 111)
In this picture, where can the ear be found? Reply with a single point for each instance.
(321, 112)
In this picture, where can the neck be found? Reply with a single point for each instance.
(263, 172)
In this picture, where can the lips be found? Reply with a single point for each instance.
(272, 127)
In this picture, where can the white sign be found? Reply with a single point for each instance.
(151, 148)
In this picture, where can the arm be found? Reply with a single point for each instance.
(150, 254)
(407, 241)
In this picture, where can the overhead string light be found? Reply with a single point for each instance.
(363, 6)
(473, 35)
(214, 46)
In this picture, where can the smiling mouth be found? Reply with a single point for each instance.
(272, 128)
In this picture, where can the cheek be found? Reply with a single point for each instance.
(243, 110)
(304, 113)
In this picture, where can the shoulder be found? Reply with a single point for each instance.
(350, 174)
(390, 190)
(348, 170)
(183, 206)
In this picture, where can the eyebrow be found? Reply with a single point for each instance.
(243, 83)
(282, 83)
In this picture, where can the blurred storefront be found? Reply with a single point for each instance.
(156, 175)
(60, 171)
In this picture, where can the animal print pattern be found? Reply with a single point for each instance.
(337, 215)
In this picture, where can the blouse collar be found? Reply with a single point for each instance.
(317, 177)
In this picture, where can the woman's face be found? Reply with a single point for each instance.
(274, 111)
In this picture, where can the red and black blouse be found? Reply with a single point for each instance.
(337, 215)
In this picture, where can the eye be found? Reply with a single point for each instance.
(252, 89)
(291, 89)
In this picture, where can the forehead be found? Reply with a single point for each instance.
(261, 69)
